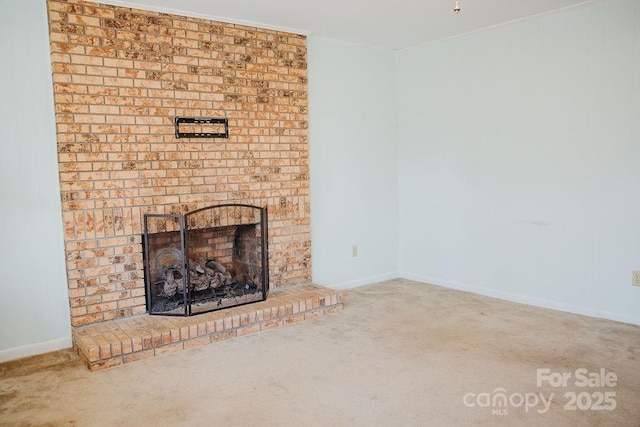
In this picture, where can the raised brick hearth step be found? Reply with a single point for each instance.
(121, 341)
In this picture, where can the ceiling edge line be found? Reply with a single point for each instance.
(350, 43)
(501, 24)
(181, 12)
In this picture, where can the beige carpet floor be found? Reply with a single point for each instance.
(400, 354)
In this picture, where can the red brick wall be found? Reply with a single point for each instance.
(120, 77)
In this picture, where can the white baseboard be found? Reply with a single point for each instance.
(35, 349)
(523, 299)
(361, 282)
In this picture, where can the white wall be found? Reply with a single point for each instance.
(353, 162)
(519, 153)
(34, 312)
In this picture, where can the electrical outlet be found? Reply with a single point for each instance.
(354, 250)
(636, 278)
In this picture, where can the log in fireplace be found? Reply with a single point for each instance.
(207, 259)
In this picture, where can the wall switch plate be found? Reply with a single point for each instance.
(636, 278)
(354, 251)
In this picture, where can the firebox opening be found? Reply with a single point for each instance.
(205, 260)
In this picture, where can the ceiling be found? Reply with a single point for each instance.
(394, 24)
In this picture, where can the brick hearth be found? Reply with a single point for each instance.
(126, 340)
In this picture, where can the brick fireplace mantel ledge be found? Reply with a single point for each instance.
(122, 341)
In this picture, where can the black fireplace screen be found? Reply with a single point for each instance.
(205, 260)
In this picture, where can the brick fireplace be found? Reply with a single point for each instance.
(120, 77)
